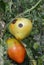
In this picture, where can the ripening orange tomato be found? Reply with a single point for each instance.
(16, 51)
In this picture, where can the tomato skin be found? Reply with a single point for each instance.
(20, 28)
(17, 52)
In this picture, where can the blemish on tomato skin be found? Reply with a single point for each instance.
(14, 21)
(11, 27)
(20, 25)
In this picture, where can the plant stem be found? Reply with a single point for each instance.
(28, 10)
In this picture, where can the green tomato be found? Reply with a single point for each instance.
(20, 28)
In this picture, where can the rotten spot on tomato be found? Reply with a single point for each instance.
(20, 25)
(14, 21)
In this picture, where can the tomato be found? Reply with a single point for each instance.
(16, 51)
(20, 28)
